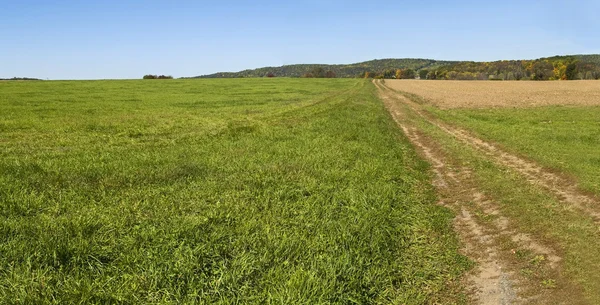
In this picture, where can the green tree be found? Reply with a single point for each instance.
(541, 70)
(409, 74)
(423, 73)
(318, 72)
(571, 71)
(388, 74)
(330, 74)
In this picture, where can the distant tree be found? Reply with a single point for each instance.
(20, 78)
(330, 74)
(270, 74)
(409, 74)
(452, 75)
(541, 70)
(318, 72)
(423, 73)
(431, 75)
(589, 75)
(308, 75)
(152, 76)
(571, 71)
(369, 75)
(388, 74)
(398, 74)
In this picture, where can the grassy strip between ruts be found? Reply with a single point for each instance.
(215, 191)
(566, 138)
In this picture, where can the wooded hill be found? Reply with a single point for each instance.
(351, 70)
(550, 68)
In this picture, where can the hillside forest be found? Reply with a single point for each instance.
(574, 67)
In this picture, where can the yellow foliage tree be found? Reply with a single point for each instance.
(399, 74)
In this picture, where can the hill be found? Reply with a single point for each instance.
(348, 70)
(550, 68)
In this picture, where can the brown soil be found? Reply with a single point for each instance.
(491, 244)
(486, 94)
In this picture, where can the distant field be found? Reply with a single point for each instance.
(215, 191)
(502, 94)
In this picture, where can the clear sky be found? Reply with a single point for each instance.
(62, 39)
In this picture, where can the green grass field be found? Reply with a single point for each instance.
(287, 191)
(564, 138)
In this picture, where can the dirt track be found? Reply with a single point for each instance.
(496, 279)
(486, 94)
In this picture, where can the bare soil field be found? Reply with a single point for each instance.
(486, 94)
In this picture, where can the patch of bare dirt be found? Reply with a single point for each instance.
(486, 94)
(495, 280)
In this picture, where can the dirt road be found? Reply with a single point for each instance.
(497, 279)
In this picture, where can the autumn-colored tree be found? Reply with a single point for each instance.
(399, 74)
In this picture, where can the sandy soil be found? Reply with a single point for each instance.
(485, 94)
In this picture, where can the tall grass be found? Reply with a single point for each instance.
(214, 191)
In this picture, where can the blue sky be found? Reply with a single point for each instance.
(63, 39)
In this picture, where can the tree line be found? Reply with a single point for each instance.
(391, 74)
(342, 70)
(20, 78)
(319, 72)
(551, 68)
(152, 76)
